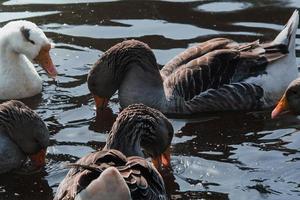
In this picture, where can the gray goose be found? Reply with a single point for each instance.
(290, 100)
(22, 134)
(120, 171)
(216, 75)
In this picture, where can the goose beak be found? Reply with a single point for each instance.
(163, 160)
(281, 107)
(44, 59)
(38, 159)
(100, 102)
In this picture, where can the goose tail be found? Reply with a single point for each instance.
(110, 185)
(288, 34)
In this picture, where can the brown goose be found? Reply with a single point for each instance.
(290, 101)
(119, 171)
(22, 133)
(216, 75)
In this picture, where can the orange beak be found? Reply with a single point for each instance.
(44, 59)
(100, 102)
(280, 108)
(163, 160)
(38, 159)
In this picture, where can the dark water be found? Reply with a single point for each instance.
(221, 156)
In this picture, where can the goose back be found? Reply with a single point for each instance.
(141, 177)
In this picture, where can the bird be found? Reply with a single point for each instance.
(21, 43)
(23, 134)
(290, 100)
(120, 170)
(216, 75)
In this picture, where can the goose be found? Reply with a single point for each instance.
(217, 75)
(22, 134)
(119, 171)
(290, 100)
(21, 43)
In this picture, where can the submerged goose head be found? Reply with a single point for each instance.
(24, 37)
(290, 101)
(26, 129)
(138, 128)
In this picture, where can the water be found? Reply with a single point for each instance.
(220, 156)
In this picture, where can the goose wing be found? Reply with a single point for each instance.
(196, 52)
(228, 97)
(143, 179)
(209, 71)
(215, 72)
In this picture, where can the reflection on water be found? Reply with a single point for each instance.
(7, 16)
(220, 156)
(131, 28)
(223, 6)
(22, 2)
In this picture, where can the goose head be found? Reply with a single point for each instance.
(26, 129)
(27, 38)
(290, 101)
(102, 88)
(113, 70)
(142, 131)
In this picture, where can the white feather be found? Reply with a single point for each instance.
(281, 72)
(18, 77)
(110, 185)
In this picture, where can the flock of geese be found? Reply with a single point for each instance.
(217, 75)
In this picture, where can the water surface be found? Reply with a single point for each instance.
(221, 156)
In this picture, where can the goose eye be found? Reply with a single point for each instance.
(32, 42)
(26, 34)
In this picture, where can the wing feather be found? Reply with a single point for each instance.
(229, 97)
(210, 71)
(195, 52)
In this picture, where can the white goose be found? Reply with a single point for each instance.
(216, 75)
(22, 42)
